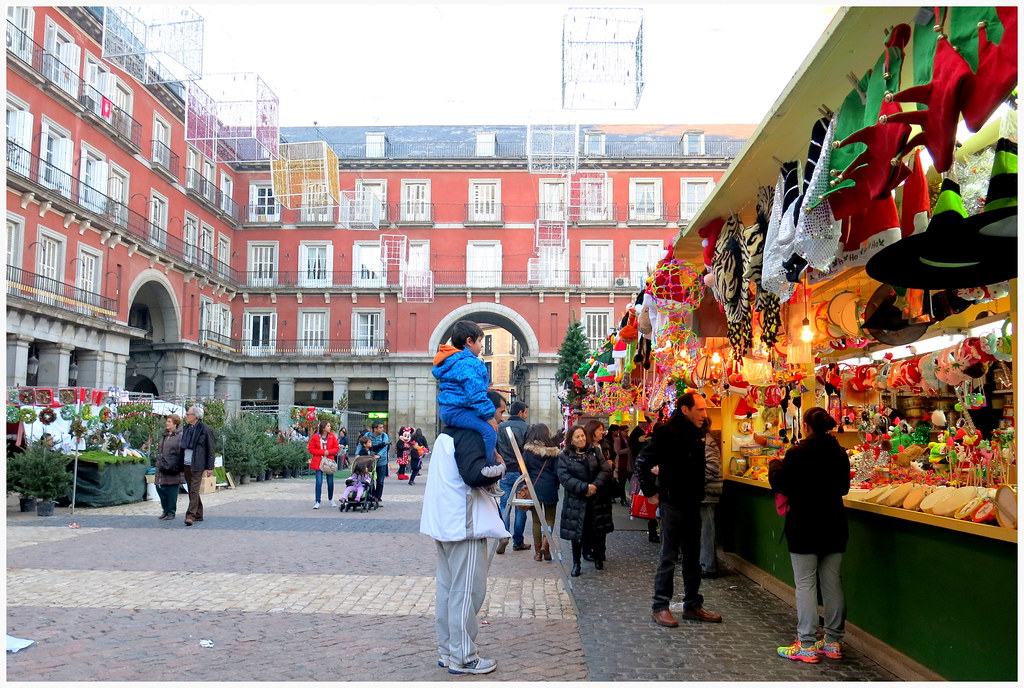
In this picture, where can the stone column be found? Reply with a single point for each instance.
(90, 369)
(54, 360)
(17, 360)
(120, 361)
(285, 401)
(205, 385)
(232, 387)
(341, 392)
(394, 410)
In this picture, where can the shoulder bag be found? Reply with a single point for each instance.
(524, 490)
(328, 466)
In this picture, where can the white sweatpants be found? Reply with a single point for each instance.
(461, 586)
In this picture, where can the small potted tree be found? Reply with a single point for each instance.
(43, 474)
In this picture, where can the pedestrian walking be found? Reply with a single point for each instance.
(420, 449)
(586, 517)
(379, 443)
(517, 422)
(168, 467)
(540, 454)
(460, 516)
(197, 448)
(323, 444)
(343, 448)
(676, 450)
(621, 458)
(814, 476)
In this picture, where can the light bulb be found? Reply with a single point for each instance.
(716, 357)
(805, 331)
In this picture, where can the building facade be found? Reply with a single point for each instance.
(135, 261)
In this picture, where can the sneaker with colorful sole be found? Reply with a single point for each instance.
(798, 653)
(830, 650)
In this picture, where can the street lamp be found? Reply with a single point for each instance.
(260, 394)
(73, 373)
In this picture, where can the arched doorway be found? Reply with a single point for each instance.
(154, 310)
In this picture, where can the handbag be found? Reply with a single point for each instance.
(641, 508)
(328, 466)
(524, 491)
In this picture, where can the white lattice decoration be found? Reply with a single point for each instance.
(588, 196)
(552, 145)
(552, 233)
(305, 175)
(154, 43)
(533, 270)
(394, 249)
(548, 267)
(360, 210)
(418, 287)
(232, 118)
(602, 58)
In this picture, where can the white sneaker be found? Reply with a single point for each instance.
(477, 666)
(334, 503)
(317, 505)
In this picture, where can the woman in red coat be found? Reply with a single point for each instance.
(323, 444)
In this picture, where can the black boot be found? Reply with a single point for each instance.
(577, 548)
(576, 568)
(599, 563)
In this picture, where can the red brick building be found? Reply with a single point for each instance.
(135, 261)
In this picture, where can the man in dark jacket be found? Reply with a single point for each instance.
(517, 421)
(197, 453)
(675, 455)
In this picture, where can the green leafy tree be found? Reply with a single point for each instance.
(574, 352)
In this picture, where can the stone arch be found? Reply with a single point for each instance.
(161, 303)
(493, 314)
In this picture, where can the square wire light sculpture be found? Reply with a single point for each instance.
(232, 117)
(552, 145)
(418, 287)
(547, 267)
(602, 58)
(394, 249)
(551, 233)
(154, 43)
(305, 175)
(359, 210)
(588, 195)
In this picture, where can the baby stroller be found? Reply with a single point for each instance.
(366, 502)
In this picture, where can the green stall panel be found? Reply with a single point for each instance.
(944, 598)
(109, 485)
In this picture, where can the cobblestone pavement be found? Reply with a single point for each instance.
(287, 593)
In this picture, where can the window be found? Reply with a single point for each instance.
(367, 268)
(227, 190)
(316, 203)
(483, 264)
(593, 143)
(594, 196)
(367, 332)
(191, 238)
(205, 310)
(693, 143)
(372, 201)
(376, 144)
(490, 376)
(88, 271)
(488, 345)
(206, 246)
(262, 204)
(552, 200)
(419, 258)
(206, 187)
(484, 201)
(645, 200)
(94, 175)
(552, 267)
(693, 194)
(313, 331)
(486, 143)
(596, 263)
(50, 257)
(262, 264)
(123, 97)
(162, 143)
(15, 230)
(61, 59)
(19, 39)
(259, 336)
(315, 265)
(57, 151)
(19, 133)
(117, 191)
(643, 255)
(415, 204)
(99, 87)
(158, 220)
(223, 255)
(596, 323)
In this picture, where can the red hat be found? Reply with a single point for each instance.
(916, 202)
(744, 410)
(996, 75)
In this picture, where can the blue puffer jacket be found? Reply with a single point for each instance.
(464, 381)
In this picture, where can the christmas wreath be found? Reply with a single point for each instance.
(12, 396)
(78, 428)
(26, 397)
(68, 412)
(105, 414)
(87, 412)
(13, 414)
(28, 415)
(47, 416)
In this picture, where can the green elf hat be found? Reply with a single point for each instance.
(999, 217)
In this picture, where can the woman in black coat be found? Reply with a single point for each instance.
(540, 454)
(814, 476)
(586, 516)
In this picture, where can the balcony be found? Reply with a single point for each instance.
(46, 290)
(318, 215)
(552, 211)
(204, 190)
(602, 214)
(647, 214)
(261, 214)
(415, 213)
(308, 346)
(670, 148)
(165, 161)
(688, 211)
(522, 279)
(484, 214)
(127, 131)
(21, 46)
(80, 196)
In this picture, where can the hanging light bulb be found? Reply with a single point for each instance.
(805, 331)
(716, 357)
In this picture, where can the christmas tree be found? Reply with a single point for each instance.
(574, 352)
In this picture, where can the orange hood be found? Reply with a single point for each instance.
(443, 352)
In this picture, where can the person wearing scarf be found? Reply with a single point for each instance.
(197, 454)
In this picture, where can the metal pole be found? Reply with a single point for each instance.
(74, 484)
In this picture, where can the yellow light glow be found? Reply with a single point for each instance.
(806, 334)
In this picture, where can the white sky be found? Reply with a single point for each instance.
(420, 63)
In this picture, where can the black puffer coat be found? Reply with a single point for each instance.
(814, 475)
(547, 485)
(575, 473)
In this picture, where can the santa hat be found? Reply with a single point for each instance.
(916, 202)
(744, 410)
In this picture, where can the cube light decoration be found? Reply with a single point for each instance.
(552, 144)
(305, 175)
(552, 233)
(588, 195)
(359, 210)
(232, 118)
(394, 249)
(154, 43)
(418, 287)
(602, 58)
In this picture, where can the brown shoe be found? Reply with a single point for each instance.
(663, 617)
(520, 548)
(701, 614)
(537, 556)
(502, 544)
(188, 521)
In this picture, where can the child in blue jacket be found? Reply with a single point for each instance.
(462, 397)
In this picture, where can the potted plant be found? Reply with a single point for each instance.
(14, 482)
(43, 474)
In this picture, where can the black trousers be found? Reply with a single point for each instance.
(680, 531)
(593, 543)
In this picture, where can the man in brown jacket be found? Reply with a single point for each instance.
(197, 452)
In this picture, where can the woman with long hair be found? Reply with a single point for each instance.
(586, 516)
(814, 475)
(540, 454)
(323, 444)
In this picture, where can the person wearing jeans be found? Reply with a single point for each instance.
(379, 442)
(323, 444)
(517, 422)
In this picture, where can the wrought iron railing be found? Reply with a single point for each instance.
(262, 213)
(123, 123)
(24, 48)
(648, 212)
(595, 277)
(307, 346)
(46, 290)
(202, 186)
(491, 213)
(163, 156)
(552, 211)
(415, 212)
(688, 210)
(634, 148)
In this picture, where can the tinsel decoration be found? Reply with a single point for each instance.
(973, 174)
